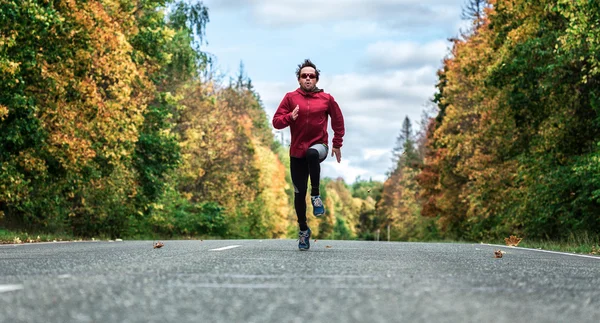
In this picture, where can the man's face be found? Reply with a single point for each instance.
(308, 79)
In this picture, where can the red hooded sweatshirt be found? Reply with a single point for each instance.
(310, 127)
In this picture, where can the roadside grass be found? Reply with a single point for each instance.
(8, 237)
(17, 237)
(579, 244)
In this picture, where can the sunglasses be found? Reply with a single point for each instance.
(309, 75)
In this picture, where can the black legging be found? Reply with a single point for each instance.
(301, 169)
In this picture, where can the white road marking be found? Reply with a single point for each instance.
(248, 286)
(547, 251)
(225, 248)
(273, 286)
(10, 288)
(257, 276)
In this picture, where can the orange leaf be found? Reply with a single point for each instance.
(498, 254)
(513, 241)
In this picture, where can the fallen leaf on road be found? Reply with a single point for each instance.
(328, 247)
(498, 254)
(513, 241)
(158, 245)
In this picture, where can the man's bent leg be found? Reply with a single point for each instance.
(315, 155)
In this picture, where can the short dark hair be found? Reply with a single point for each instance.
(307, 63)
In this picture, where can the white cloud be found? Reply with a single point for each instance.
(391, 13)
(390, 55)
(346, 170)
(361, 29)
(371, 154)
(382, 92)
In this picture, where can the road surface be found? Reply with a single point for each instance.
(271, 281)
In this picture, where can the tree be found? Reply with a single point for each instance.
(405, 152)
(474, 10)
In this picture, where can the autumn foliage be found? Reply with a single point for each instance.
(112, 124)
(513, 149)
(108, 127)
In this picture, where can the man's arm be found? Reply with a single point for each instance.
(283, 115)
(337, 123)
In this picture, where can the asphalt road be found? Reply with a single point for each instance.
(271, 281)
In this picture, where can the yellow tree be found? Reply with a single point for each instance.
(77, 87)
(272, 196)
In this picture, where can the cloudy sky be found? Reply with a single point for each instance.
(378, 58)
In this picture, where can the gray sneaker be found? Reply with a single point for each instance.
(304, 240)
(317, 204)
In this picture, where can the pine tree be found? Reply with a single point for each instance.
(405, 152)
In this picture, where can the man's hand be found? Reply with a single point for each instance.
(295, 112)
(337, 152)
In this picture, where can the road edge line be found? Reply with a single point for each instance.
(542, 250)
(225, 248)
